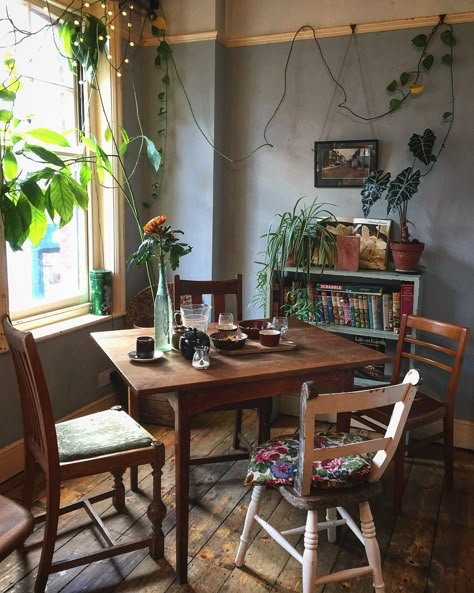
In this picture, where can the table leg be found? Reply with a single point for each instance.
(133, 411)
(182, 457)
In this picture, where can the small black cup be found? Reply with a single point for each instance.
(145, 347)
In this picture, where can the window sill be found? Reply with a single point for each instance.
(70, 325)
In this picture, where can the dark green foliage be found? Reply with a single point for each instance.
(422, 146)
(404, 76)
(427, 62)
(373, 189)
(402, 189)
(419, 40)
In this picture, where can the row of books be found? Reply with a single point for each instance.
(358, 306)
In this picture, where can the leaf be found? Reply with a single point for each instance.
(402, 189)
(417, 89)
(5, 115)
(10, 165)
(24, 210)
(427, 62)
(33, 192)
(422, 146)
(38, 226)
(62, 198)
(162, 112)
(153, 154)
(85, 175)
(163, 49)
(447, 115)
(166, 79)
(108, 134)
(47, 136)
(125, 136)
(392, 86)
(48, 205)
(419, 40)
(448, 38)
(373, 189)
(161, 96)
(13, 226)
(447, 59)
(158, 60)
(45, 155)
(394, 104)
(105, 161)
(7, 95)
(80, 194)
(90, 143)
(404, 76)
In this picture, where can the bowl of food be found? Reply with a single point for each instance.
(228, 341)
(252, 327)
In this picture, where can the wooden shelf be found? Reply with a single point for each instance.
(357, 331)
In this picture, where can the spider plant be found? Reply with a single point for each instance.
(297, 238)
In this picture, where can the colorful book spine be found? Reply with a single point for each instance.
(396, 311)
(324, 299)
(352, 310)
(347, 310)
(318, 307)
(330, 307)
(335, 307)
(342, 313)
(365, 309)
(407, 291)
(370, 311)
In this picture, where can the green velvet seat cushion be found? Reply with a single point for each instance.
(99, 434)
(276, 462)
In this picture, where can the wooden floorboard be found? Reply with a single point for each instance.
(428, 548)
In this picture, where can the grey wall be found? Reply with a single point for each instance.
(248, 85)
(71, 362)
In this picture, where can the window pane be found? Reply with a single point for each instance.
(54, 272)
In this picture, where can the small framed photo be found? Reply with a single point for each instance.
(344, 163)
(374, 239)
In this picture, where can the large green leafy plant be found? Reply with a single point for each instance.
(400, 190)
(35, 182)
(293, 238)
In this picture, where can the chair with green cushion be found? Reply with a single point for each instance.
(108, 441)
(328, 471)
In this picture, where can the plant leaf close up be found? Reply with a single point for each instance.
(373, 189)
(402, 189)
(422, 146)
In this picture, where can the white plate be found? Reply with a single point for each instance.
(133, 356)
(226, 328)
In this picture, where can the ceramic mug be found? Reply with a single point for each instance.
(145, 347)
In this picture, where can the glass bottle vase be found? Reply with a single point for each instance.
(163, 312)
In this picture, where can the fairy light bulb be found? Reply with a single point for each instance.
(109, 57)
(119, 75)
(101, 38)
(86, 4)
(110, 13)
(76, 22)
(124, 12)
(131, 44)
(102, 5)
(76, 43)
(126, 60)
(129, 25)
(112, 27)
(81, 39)
(107, 37)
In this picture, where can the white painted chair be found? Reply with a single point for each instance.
(329, 471)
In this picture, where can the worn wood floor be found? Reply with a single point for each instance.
(429, 548)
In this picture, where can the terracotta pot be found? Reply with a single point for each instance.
(406, 256)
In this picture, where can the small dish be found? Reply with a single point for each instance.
(226, 341)
(252, 327)
(157, 355)
(226, 328)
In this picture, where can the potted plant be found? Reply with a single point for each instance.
(297, 238)
(398, 192)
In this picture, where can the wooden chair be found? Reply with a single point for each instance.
(107, 441)
(16, 524)
(317, 473)
(219, 289)
(440, 346)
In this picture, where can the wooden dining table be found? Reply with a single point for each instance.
(319, 356)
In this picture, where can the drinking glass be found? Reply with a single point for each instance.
(226, 321)
(280, 323)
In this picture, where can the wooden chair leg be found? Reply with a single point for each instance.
(331, 515)
(28, 479)
(50, 532)
(237, 429)
(253, 509)
(371, 545)
(399, 477)
(118, 497)
(310, 554)
(448, 451)
(157, 511)
(264, 420)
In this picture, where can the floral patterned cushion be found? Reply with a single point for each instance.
(276, 462)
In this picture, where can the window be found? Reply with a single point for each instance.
(51, 280)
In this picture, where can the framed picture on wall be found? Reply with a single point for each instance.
(344, 163)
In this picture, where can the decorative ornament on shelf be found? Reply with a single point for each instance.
(161, 241)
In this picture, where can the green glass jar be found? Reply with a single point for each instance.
(101, 292)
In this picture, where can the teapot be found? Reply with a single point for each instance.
(191, 338)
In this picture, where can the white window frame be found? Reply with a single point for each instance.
(105, 219)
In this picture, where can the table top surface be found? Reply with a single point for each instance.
(316, 349)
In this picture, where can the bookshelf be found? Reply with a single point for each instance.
(388, 281)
